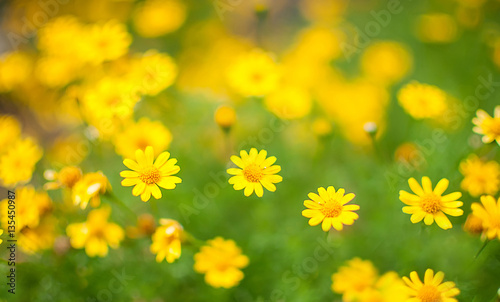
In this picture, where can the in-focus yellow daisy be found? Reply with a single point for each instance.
(221, 261)
(167, 241)
(480, 177)
(423, 100)
(432, 289)
(331, 208)
(147, 177)
(89, 189)
(429, 204)
(489, 213)
(140, 135)
(488, 126)
(256, 172)
(96, 233)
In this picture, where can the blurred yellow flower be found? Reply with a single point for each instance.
(436, 28)
(407, 152)
(329, 207)
(167, 241)
(432, 289)
(221, 261)
(30, 205)
(257, 171)
(354, 277)
(154, 72)
(66, 178)
(146, 226)
(55, 71)
(15, 68)
(429, 204)
(154, 18)
(105, 41)
(33, 240)
(140, 135)
(422, 100)
(225, 116)
(53, 38)
(11, 129)
(18, 163)
(147, 177)
(289, 102)
(253, 74)
(96, 233)
(473, 224)
(489, 213)
(387, 62)
(89, 189)
(488, 126)
(480, 177)
(321, 127)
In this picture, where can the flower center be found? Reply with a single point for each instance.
(253, 173)
(429, 293)
(494, 126)
(150, 176)
(332, 209)
(431, 203)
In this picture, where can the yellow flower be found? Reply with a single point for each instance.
(256, 172)
(66, 178)
(225, 116)
(386, 61)
(473, 224)
(18, 163)
(11, 129)
(15, 68)
(422, 100)
(355, 277)
(253, 74)
(221, 261)
(140, 135)
(155, 18)
(30, 205)
(432, 289)
(56, 72)
(321, 127)
(480, 177)
(148, 176)
(96, 233)
(489, 213)
(155, 72)
(408, 153)
(429, 204)
(105, 41)
(488, 126)
(146, 226)
(289, 102)
(167, 241)
(89, 188)
(33, 240)
(330, 207)
(53, 38)
(436, 28)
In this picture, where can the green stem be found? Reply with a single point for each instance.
(482, 248)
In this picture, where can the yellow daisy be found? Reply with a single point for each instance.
(432, 289)
(330, 208)
(167, 241)
(480, 177)
(147, 176)
(423, 100)
(488, 126)
(489, 214)
(256, 172)
(429, 204)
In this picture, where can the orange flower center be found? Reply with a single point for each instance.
(431, 203)
(253, 173)
(150, 176)
(429, 293)
(332, 209)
